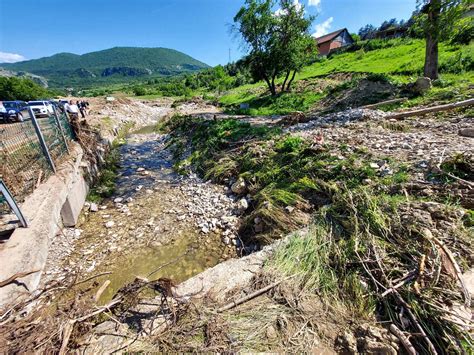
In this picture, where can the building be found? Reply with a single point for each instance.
(334, 40)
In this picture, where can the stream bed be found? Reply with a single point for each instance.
(157, 223)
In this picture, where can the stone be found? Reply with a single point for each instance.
(93, 207)
(239, 187)
(140, 169)
(109, 224)
(467, 132)
(118, 200)
(374, 165)
(289, 209)
(242, 205)
(422, 85)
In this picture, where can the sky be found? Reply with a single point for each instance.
(31, 29)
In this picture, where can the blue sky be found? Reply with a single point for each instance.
(38, 28)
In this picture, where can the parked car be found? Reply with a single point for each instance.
(41, 108)
(15, 111)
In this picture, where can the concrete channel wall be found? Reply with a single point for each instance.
(54, 204)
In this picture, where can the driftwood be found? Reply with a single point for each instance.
(101, 290)
(69, 327)
(388, 102)
(249, 297)
(403, 339)
(18, 275)
(424, 111)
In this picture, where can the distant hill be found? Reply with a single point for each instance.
(115, 65)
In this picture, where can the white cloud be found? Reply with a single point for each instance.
(314, 2)
(323, 28)
(10, 57)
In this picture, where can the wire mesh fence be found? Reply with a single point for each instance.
(24, 160)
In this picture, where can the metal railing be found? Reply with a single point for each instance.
(30, 152)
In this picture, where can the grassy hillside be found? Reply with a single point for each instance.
(396, 61)
(120, 64)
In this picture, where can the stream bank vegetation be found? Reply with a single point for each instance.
(372, 250)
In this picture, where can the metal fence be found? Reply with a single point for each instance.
(30, 152)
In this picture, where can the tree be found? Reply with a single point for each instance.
(367, 32)
(278, 43)
(436, 18)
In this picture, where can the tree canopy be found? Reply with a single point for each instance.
(278, 42)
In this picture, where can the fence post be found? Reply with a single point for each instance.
(44, 147)
(58, 122)
(12, 203)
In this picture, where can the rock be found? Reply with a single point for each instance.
(271, 333)
(289, 209)
(140, 170)
(239, 187)
(109, 224)
(242, 205)
(118, 200)
(374, 165)
(94, 207)
(348, 342)
(467, 132)
(422, 85)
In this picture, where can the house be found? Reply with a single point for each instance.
(334, 40)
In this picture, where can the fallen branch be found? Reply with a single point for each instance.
(426, 110)
(18, 275)
(457, 270)
(387, 102)
(415, 322)
(251, 296)
(69, 327)
(101, 290)
(403, 339)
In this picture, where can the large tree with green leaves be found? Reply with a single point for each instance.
(278, 41)
(437, 18)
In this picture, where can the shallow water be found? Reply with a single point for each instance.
(151, 237)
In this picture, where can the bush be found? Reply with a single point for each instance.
(22, 89)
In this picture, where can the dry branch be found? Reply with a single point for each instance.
(424, 111)
(18, 275)
(250, 296)
(393, 101)
(403, 339)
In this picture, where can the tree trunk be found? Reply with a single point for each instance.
(270, 87)
(274, 92)
(432, 38)
(288, 87)
(286, 79)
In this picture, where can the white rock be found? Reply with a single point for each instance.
(93, 207)
(109, 224)
(118, 200)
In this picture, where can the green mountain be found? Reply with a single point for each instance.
(115, 65)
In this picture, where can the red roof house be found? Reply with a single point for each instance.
(334, 40)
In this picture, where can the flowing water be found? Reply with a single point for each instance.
(149, 237)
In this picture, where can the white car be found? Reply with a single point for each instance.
(41, 108)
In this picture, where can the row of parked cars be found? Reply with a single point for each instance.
(17, 111)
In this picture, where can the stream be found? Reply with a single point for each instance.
(157, 224)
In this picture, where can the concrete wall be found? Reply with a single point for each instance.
(58, 199)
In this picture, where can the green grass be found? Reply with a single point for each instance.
(400, 61)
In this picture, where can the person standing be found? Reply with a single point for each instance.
(72, 109)
(82, 109)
